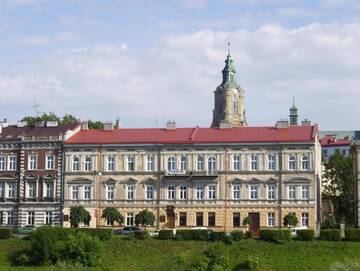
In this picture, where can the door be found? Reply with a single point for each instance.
(170, 215)
(255, 223)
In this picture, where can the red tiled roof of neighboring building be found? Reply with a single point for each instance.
(195, 135)
(332, 141)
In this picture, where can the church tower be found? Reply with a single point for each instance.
(229, 99)
(293, 114)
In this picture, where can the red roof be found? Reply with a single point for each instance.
(332, 141)
(195, 135)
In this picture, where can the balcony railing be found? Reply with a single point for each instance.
(176, 172)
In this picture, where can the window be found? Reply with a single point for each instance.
(305, 219)
(271, 191)
(236, 220)
(131, 163)
(30, 218)
(1, 218)
(11, 190)
(254, 191)
(171, 192)
(182, 219)
(74, 192)
(292, 163)
(271, 219)
(12, 163)
(305, 192)
(292, 192)
(254, 162)
(10, 218)
(199, 219)
(48, 218)
(305, 163)
(183, 163)
(235, 105)
(271, 162)
(212, 164)
(87, 164)
(31, 190)
(200, 163)
(49, 189)
(32, 162)
(110, 163)
(130, 191)
(2, 190)
(236, 191)
(171, 164)
(2, 162)
(211, 219)
(149, 192)
(211, 191)
(87, 192)
(150, 161)
(183, 192)
(76, 164)
(129, 219)
(236, 162)
(110, 191)
(199, 192)
(49, 161)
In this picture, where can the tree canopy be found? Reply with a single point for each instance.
(111, 215)
(78, 214)
(145, 218)
(290, 220)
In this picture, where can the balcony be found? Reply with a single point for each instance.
(176, 172)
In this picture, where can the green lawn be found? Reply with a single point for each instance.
(127, 255)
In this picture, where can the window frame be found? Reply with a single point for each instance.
(253, 191)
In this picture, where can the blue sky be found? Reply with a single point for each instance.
(150, 61)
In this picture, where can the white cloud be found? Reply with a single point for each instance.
(175, 79)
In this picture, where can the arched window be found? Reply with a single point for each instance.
(171, 163)
(236, 162)
(292, 162)
(200, 163)
(212, 164)
(87, 164)
(271, 162)
(183, 163)
(235, 104)
(305, 162)
(76, 164)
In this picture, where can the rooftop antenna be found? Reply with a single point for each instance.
(293, 101)
(229, 48)
(36, 106)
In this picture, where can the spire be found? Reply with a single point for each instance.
(229, 72)
(293, 114)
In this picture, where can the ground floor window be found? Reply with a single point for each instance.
(1, 218)
(271, 219)
(48, 218)
(30, 218)
(10, 218)
(182, 221)
(211, 219)
(236, 220)
(305, 219)
(129, 219)
(199, 219)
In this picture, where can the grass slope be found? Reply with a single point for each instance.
(156, 255)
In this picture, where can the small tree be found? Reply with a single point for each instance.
(145, 218)
(246, 221)
(78, 215)
(111, 215)
(290, 220)
(330, 222)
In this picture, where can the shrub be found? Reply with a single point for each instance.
(145, 218)
(290, 220)
(201, 235)
(166, 234)
(82, 248)
(228, 240)
(275, 235)
(141, 235)
(184, 235)
(330, 235)
(64, 234)
(43, 248)
(217, 236)
(248, 234)
(237, 235)
(352, 235)
(101, 234)
(251, 263)
(305, 235)
(330, 222)
(5, 233)
(21, 259)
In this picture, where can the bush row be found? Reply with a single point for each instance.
(305, 235)
(5, 233)
(275, 235)
(65, 233)
(201, 235)
(330, 235)
(352, 235)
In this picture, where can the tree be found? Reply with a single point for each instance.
(339, 186)
(145, 218)
(330, 222)
(78, 215)
(69, 119)
(111, 215)
(95, 124)
(44, 117)
(290, 220)
(246, 221)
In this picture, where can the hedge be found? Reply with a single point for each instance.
(166, 234)
(275, 235)
(5, 233)
(63, 234)
(330, 235)
(200, 235)
(141, 235)
(217, 236)
(352, 235)
(237, 235)
(305, 235)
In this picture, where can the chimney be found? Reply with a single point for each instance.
(52, 123)
(84, 125)
(281, 124)
(306, 122)
(225, 125)
(4, 123)
(170, 125)
(22, 123)
(108, 126)
(117, 124)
